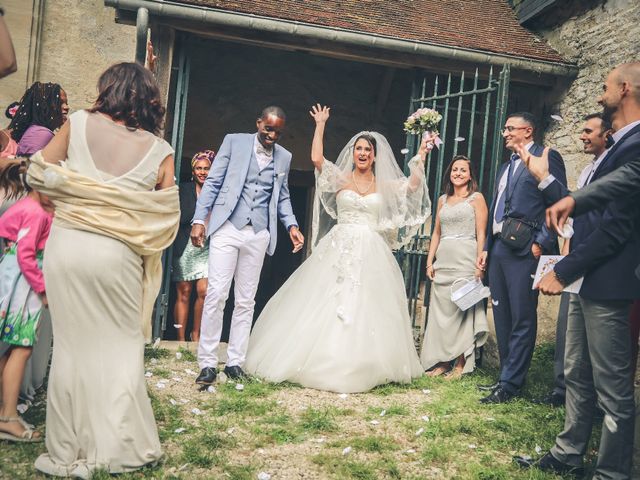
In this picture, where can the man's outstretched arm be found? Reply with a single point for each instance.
(622, 182)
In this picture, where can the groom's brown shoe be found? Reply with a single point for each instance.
(207, 376)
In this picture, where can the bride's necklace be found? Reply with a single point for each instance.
(355, 184)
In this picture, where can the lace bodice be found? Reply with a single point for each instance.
(356, 209)
(458, 220)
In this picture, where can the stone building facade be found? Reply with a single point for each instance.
(69, 42)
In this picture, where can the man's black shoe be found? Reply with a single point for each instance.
(549, 463)
(488, 388)
(554, 399)
(207, 376)
(234, 373)
(499, 395)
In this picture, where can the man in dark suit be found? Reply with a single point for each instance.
(604, 250)
(595, 135)
(510, 267)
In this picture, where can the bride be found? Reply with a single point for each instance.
(340, 322)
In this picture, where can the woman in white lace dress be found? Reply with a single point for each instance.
(457, 241)
(340, 322)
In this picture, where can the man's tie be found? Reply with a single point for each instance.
(500, 208)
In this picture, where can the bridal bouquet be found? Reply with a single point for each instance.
(423, 120)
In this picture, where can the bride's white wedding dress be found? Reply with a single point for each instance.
(340, 322)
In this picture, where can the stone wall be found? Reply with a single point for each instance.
(596, 40)
(79, 39)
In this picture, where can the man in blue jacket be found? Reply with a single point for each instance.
(517, 238)
(244, 195)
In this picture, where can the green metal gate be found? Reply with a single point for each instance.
(473, 113)
(177, 135)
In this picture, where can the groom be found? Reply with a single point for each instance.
(245, 191)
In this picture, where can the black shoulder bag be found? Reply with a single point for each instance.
(516, 232)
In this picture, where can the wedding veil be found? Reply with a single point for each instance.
(405, 204)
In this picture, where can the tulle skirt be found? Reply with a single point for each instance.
(340, 322)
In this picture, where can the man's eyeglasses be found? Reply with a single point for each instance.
(510, 128)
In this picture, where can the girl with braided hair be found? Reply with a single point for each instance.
(43, 109)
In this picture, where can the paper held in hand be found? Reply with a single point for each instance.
(545, 265)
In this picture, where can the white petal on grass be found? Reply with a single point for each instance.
(264, 476)
(173, 402)
(426, 391)
(231, 430)
(188, 371)
(419, 432)
(160, 385)
(374, 422)
(154, 361)
(473, 446)
(179, 430)
(196, 411)
(239, 387)
(319, 440)
(557, 118)
(343, 395)
(426, 418)
(538, 449)
(156, 343)
(383, 413)
(404, 151)
(176, 379)
(410, 451)
(183, 467)
(178, 355)
(347, 451)
(211, 389)
(22, 407)
(459, 139)
(148, 374)
(279, 402)
(490, 419)
(184, 401)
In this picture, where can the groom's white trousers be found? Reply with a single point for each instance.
(233, 254)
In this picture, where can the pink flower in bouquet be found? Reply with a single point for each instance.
(423, 120)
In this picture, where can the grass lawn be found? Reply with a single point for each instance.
(431, 428)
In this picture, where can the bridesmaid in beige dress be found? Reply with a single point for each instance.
(116, 210)
(457, 240)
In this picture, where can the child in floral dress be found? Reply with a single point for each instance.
(26, 226)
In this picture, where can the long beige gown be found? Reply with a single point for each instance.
(98, 411)
(450, 331)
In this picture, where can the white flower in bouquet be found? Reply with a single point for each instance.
(423, 120)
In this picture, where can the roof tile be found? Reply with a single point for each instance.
(485, 25)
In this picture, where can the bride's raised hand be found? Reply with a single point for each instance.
(426, 145)
(320, 113)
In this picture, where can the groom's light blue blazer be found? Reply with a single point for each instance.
(222, 188)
